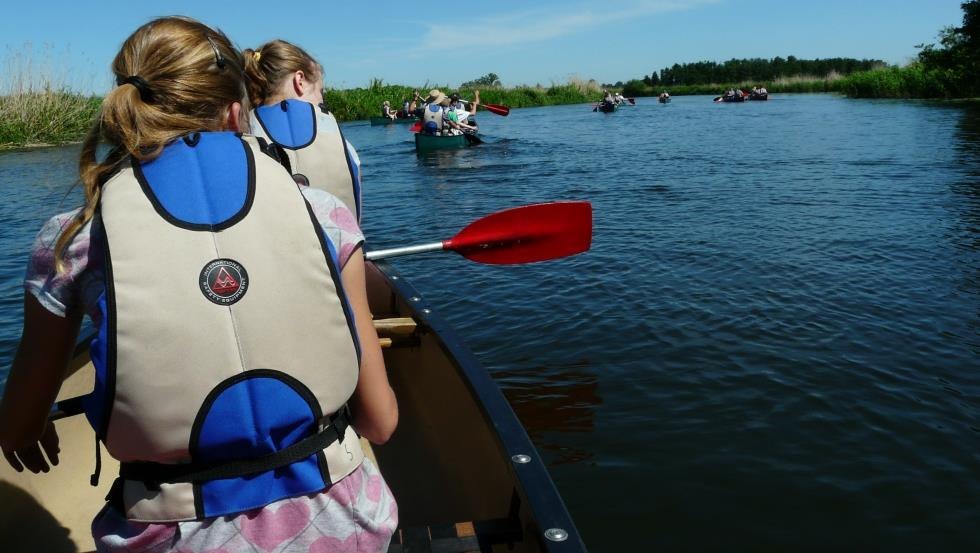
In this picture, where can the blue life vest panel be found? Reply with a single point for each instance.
(313, 147)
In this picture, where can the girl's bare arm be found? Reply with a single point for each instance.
(373, 404)
(46, 346)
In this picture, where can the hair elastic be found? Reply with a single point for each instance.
(146, 93)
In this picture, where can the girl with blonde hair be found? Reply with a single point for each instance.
(235, 354)
(286, 88)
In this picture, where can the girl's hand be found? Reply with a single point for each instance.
(30, 456)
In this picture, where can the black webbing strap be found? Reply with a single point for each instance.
(160, 473)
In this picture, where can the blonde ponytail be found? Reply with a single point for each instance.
(270, 64)
(174, 76)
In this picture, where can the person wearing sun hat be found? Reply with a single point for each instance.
(434, 115)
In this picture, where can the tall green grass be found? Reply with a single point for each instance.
(913, 81)
(361, 103)
(37, 108)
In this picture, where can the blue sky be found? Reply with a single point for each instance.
(523, 42)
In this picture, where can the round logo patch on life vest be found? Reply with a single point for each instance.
(223, 281)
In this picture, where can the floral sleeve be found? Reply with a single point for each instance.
(57, 292)
(338, 222)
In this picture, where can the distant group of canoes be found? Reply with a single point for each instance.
(758, 93)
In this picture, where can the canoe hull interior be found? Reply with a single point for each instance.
(449, 461)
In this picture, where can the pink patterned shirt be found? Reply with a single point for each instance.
(357, 514)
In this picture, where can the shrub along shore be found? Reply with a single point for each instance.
(51, 117)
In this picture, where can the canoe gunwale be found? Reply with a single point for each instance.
(538, 489)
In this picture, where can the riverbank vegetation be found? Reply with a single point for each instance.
(37, 108)
(361, 103)
(950, 69)
(44, 112)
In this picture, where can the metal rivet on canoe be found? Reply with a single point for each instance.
(415, 298)
(521, 458)
(556, 534)
(394, 278)
(427, 311)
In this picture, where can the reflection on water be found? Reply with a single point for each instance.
(565, 400)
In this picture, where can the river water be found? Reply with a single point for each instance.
(772, 344)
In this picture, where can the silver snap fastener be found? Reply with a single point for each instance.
(556, 534)
(521, 458)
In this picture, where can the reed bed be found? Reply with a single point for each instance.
(913, 81)
(37, 108)
(361, 103)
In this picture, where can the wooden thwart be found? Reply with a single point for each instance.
(395, 331)
(397, 326)
(462, 537)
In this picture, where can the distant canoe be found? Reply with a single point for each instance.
(728, 99)
(608, 108)
(429, 142)
(758, 97)
(663, 99)
(387, 121)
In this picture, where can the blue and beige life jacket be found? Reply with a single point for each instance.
(432, 119)
(227, 350)
(315, 150)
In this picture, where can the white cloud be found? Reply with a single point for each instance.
(542, 24)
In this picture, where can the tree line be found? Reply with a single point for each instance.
(755, 69)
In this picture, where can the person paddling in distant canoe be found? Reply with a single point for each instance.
(285, 87)
(406, 110)
(386, 111)
(230, 401)
(464, 116)
(440, 118)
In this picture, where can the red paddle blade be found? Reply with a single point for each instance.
(498, 109)
(526, 234)
(416, 127)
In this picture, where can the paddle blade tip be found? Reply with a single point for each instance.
(527, 234)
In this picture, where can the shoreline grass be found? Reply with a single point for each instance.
(48, 115)
(912, 81)
(36, 107)
(355, 104)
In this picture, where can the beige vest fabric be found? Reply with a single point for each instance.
(323, 163)
(173, 345)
